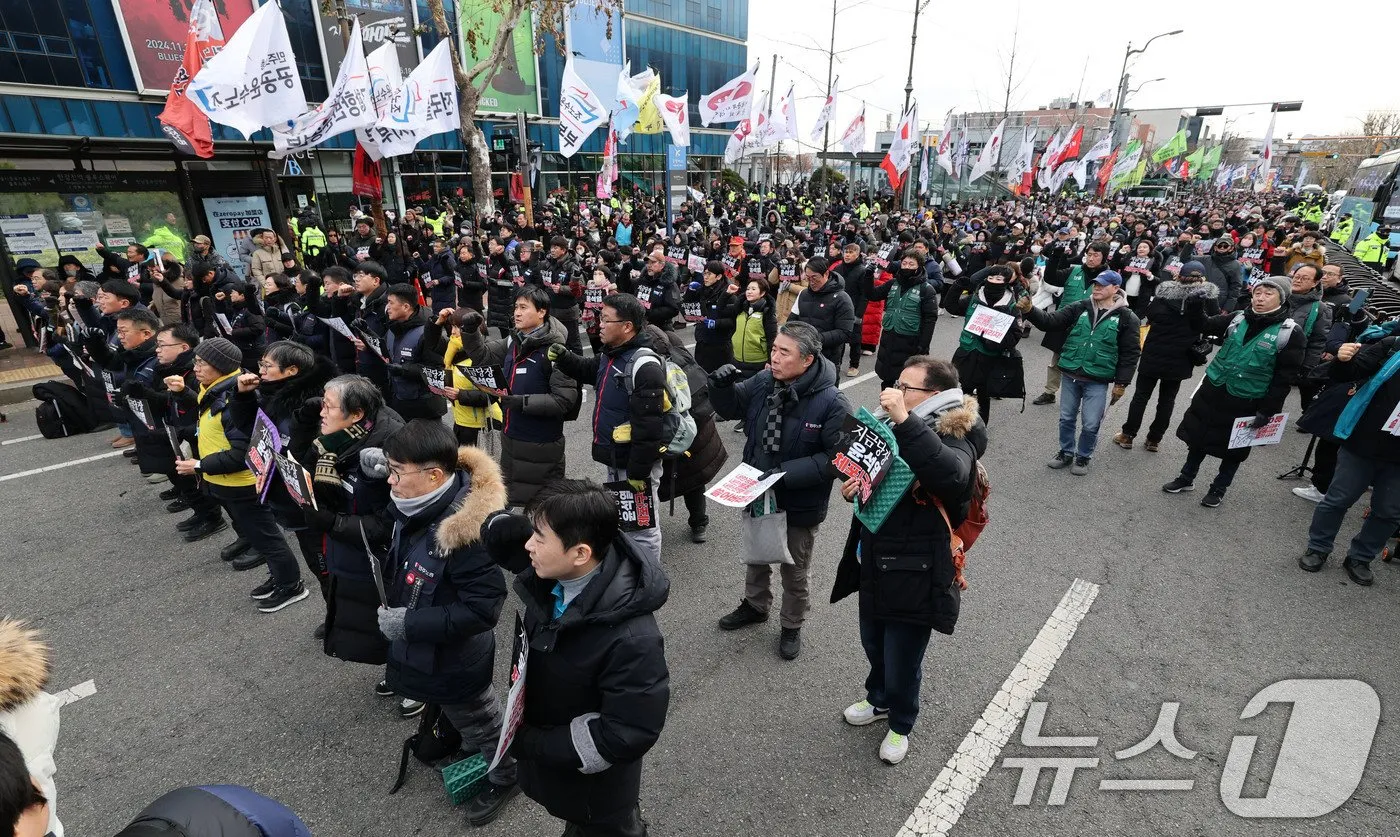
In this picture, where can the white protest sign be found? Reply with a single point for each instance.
(741, 486)
(1243, 434)
(990, 323)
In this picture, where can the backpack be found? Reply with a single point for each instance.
(961, 539)
(679, 424)
(62, 411)
(436, 739)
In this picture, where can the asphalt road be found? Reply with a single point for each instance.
(1198, 606)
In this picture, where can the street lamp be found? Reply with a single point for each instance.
(1118, 127)
(1144, 84)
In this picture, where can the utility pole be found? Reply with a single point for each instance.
(826, 131)
(909, 91)
(1119, 125)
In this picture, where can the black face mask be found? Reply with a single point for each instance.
(994, 292)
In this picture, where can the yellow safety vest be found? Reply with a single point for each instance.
(462, 414)
(212, 440)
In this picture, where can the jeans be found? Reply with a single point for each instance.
(1166, 402)
(479, 722)
(1223, 478)
(759, 578)
(1089, 397)
(1052, 375)
(253, 521)
(647, 541)
(896, 654)
(1354, 475)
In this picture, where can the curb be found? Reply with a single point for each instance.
(18, 393)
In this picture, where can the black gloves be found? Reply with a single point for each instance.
(1261, 420)
(318, 520)
(725, 375)
(512, 402)
(134, 389)
(310, 411)
(504, 534)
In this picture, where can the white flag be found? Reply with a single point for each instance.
(945, 147)
(731, 102)
(827, 109)
(737, 140)
(252, 83)
(581, 111)
(1052, 147)
(762, 125)
(1024, 155)
(1101, 149)
(1080, 171)
(960, 153)
(1061, 175)
(347, 107)
(676, 114)
(1266, 157)
(853, 139)
(787, 127)
(903, 148)
(988, 157)
(385, 79)
(923, 170)
(426, 104)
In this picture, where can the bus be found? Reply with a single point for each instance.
(1372, 198)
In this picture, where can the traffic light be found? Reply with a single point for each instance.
(1210, 111)
(1286, 107)
(503, 152)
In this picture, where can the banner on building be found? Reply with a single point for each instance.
(381, 22)
(156, 34)
(515, 87)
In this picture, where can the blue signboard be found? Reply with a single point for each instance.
(675, 157)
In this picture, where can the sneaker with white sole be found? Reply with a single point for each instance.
(264, 591)
(864, 712)
(411, 708)
(1309, 493)
(894, 748)
(283, 596)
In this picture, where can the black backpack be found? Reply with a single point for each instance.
(62, 411)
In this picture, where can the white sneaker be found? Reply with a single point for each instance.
(411, 708)
(864, 712)
(894, 748)
(1309, 493)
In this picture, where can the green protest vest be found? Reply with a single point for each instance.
(750, 341)
(1075, 289)
(1092, 350)
(902, 309)
(1246, 369)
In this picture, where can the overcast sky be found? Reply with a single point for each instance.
(1229, 52)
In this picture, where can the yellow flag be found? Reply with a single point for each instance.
(648, 114)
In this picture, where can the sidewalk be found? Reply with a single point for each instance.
(20, 367)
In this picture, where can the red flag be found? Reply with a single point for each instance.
(1071, 148)
(893, 173)
(1106, 169)
(517, 187)
(184, 124)
(366, 182)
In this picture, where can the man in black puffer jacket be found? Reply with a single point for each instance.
(904, 571)
(597, 686)
(445, 593)
(857, 278)
(1223, 271)
(825, 306)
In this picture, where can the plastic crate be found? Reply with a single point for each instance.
(465, 779)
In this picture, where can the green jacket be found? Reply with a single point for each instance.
(1342, 232)
(1246, 370)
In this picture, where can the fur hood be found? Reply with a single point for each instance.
(1173, 291)
(462, 528)
(958, 422)
(24, 664)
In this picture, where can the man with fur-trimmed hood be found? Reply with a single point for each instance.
(904, 571)
(445, 593)
(28, 714)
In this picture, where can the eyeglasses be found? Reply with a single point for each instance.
(399, 474)
(903, 387)
(263, 366)
(160, 345)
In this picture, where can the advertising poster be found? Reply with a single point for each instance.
(515, 87)
(381, 22)
(231, 225)
(28, 237)
(156, 35)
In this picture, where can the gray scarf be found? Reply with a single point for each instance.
(412, 506)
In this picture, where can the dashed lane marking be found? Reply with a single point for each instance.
(61, 465)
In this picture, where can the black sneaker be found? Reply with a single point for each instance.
(283, 596)
(744, 614)
(1359, 572)
(1312, 561)
(1080, 467)
(264, 590)
(409, 708)
(697, 533)
(176, 506)
(487, 805)
(1043, 399)
(235, 549)
(247, 561)
(382, 689)
(130, 453)
(1060, 460)
(1212, 499)
(205, 528)
(790, 643)
(1179, 485)
(170, 493)
(191, 522)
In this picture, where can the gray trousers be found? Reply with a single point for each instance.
(479, 722)
(758, 581)
(647, 541)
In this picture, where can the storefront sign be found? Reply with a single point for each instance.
(87, 181)
(155, 35)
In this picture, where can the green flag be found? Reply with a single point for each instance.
(1175, 146)
(1194, 160)
(1210, 163)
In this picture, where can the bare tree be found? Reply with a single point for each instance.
(488, 53)
(1380, 132)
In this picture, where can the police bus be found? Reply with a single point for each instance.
(1372, 197)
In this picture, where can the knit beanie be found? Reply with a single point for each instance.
(1282, 284)
(220, 353)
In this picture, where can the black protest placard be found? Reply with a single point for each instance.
(437, 380)
(373, 343)
(263, 445)
(863, 453)
(297, 480)
(140, 409)
(490, 378)
(635, 510)
(693, 312)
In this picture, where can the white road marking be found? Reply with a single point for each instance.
(22, 439)
(860, 379)
(947, 798)
(73, 694)
(47, 468)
